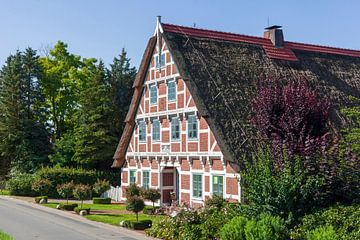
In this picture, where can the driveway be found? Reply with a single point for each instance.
(27, 221)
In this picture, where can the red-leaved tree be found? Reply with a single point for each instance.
(291, 116)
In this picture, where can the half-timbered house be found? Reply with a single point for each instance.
(187, 126)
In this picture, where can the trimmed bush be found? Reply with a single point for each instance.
(41, 186)
(140, 225)
(234, 229)
(66, 190)
(79, 209)
(68, 207)
(38, 199)
(215, 201)
(151, 194)
(82, 192)
(149, 210)
(101, 186)
(266, 228)
(322, 233)
(20, 184)
(136, 205)
(101, 200)
(132, 191)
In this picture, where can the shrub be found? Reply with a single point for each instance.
(132, 191)
(68, 207)
(164, 229)
(82, 192)
(58, 175)
(151, 194)
(137, 225)
(79, 209)
(101, 200)
(234, 229)
(266, 228)
(212, 219)
(344, 219)
(66, 190)
(41, 186)
(149, 210)
(20, 184)
(39, 198)
(322, 233)
(136, 205)
(101, 186)
(215, 201)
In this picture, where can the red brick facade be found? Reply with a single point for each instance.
(173, 163)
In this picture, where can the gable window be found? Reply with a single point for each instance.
(161, 63)
(197, 185)
(218, 185)
(146, 179)
(132, 177)
(192, 127)
(142, 131)
(153, 94)
(175, 128)
(171, 91)
(156, 130)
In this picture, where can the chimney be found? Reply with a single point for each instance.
(275, 34)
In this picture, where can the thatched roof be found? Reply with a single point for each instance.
(221, 71)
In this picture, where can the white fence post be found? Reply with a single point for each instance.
(115, 193)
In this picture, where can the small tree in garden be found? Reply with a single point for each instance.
(41, 186)
(151, 194)
(82, 192)
(66, 190)
(132, 191)
(292, 117)
(136, 205)
(101, 186)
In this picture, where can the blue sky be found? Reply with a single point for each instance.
(101, 29)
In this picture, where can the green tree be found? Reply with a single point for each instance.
(23, 135)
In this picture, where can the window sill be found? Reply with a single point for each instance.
(192, 139)
(175, 140)
(171, 101)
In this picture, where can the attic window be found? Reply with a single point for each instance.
(171, 90)
(153, 94)
(142, 131)
(161, 63)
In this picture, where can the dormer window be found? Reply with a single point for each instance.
(153, 94)
(160, 63)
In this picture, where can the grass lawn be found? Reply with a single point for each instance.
(115, 219)
(92, 206)
(4, 236)
(4, 192)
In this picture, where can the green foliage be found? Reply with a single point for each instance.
(344, 219)
(101, 200)
(215, 201)
(322, 233)
(266, 228)
(149, 210)
(41, 186)
(68, 207)
(164, 229)
(20, 184)
(289, 193)
(66, 190)
(135, 204)
(23, 135)
(5, 236)
(82, 192)
(64, 151)
(137, 225)
(39, 198)
(132, 191)
(151, 194)
(234, 229)
(101, 186)
(352, 133)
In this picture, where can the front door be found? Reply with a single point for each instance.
(168, 185)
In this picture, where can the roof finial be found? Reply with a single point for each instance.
(158, 19)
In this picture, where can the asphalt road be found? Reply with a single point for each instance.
(27, 221)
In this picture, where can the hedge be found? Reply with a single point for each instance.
(101, 200)
(140, 225)
(39, 198)
(78, 210)
(69, 206)
(20, 185)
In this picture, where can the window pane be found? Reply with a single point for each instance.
(157, 61)
(218, 185)
(192, 127)
(132, 176)
(146, 179)
(197, 185)
(142, 131)
(175, 129)
(172, 91)
(156, 130)
(162, 60)
(153, 94)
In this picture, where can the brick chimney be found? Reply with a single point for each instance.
(275, 34)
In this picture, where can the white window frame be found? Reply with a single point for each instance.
(132, 170)
(142, 178)
(159, 64)
(175, 87)
(139, 127)
(171, 129)
(202, 186)
(152, 131)
(188, 129)
(212, 183)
